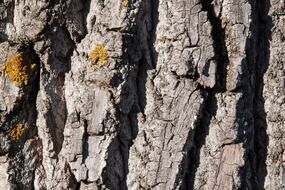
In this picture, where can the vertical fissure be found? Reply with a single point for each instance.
(208, 111)
(209, 107)
(260, 123)
(138, 39)
(219, 45)
(60, 64)
(85, 12)
(85, 145)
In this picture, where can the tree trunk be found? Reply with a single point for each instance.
(142, 94)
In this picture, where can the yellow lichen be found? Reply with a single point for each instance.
(17, 132)
(125, 3)
(19, 69)
(114, 101)
(99, 56)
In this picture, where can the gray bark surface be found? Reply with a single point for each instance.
(192, 95)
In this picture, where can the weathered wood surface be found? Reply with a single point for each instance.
(192, 96)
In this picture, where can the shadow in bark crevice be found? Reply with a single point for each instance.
(139, 57)
(219, 45)
(201, 131)
(261, 136)
(60, 64)
(264, 24)
(210, 105)
(6, 18)
(85, 11)
(251, 116)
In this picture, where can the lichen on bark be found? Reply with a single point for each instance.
(189, 94)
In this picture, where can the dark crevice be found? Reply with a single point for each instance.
(85, 11)
(244, 108)
(72, 182)
(72, 45)
(260, 125)
(183, 177)
(208, 111)
(85, 145)
(8, 19)
(152, 33)
(124, 150)
(139, 56)
(220, 49)
(148, 61)
(60, 64)
(140, 84)
(244, 121)
(209, 107)
(114, 172)
(251, 116)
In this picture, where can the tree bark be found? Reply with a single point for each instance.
(192, 95)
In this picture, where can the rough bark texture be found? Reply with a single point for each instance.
(192, 96)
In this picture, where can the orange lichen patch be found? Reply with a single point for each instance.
(19, 69)
(17, 132)
(125, 3)
(99, 56)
